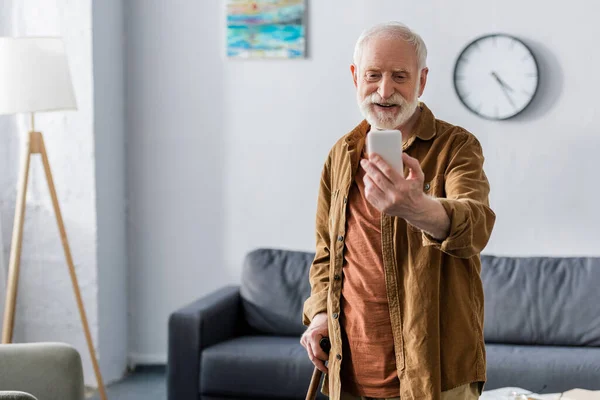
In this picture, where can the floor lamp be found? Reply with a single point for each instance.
(34, 76)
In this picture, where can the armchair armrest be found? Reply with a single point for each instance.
(207, 321)
(16, 396)
(49, 371)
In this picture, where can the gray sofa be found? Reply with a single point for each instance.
(40, 371)
(542, 329)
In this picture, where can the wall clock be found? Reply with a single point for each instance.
(496, 76)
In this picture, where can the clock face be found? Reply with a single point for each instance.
(496, 76)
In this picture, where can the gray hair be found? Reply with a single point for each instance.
(392, 30)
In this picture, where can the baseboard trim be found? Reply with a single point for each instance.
(136, 359)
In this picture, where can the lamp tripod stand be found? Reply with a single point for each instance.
(34, 144)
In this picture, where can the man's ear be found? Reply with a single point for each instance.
(354, 71)
(423, 80)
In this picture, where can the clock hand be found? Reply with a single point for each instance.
(501, 82)
(504, 86)
(510, 100)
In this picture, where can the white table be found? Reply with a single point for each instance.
(506, 394)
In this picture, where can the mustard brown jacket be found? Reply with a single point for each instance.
(434, 289)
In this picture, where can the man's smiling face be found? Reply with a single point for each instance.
(388, 82)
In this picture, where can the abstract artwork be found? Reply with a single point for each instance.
(265, 28)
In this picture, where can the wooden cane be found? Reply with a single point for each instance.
(317, 373)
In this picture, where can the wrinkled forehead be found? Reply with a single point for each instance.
(388, 53)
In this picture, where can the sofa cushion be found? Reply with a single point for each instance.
(256, 366)
(539, 300)
(273, 290)
(544, 369)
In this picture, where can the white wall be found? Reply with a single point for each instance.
(175, 161)
(86, 152)
(224, 156)
(109, 140)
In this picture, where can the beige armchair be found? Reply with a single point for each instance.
(40, 371)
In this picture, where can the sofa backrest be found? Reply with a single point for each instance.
(542, 300)
(528, 300)
(273, 290)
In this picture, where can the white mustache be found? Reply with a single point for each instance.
(395, 100)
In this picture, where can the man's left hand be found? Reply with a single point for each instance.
(389, 191)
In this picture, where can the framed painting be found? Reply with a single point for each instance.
(266, 29)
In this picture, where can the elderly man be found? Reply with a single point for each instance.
(395, 283)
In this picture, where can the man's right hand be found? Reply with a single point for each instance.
(310, 340)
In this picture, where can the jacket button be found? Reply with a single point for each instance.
(336, 277)
(340, 238)
(335, 315)
(339, 356)
(345, 200)
(427, 186)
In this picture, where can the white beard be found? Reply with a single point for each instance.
(382, 119)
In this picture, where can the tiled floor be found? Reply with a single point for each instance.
(147, 383)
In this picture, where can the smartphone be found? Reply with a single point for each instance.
(388, 144)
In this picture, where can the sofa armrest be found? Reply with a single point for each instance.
(16, 396)
(49, 371)
(207, 321)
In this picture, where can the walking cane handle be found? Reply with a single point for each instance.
(317, 373)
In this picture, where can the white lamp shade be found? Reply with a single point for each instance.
(34, 75)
